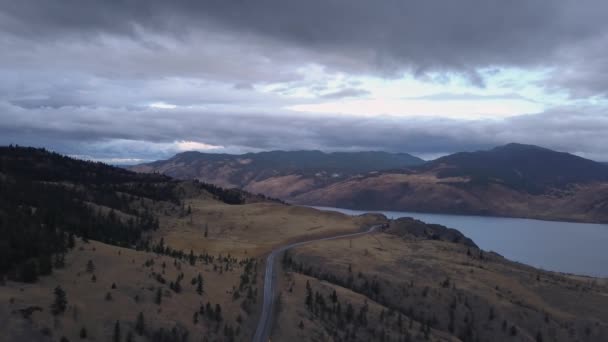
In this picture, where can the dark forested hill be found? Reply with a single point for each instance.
(522, 167)
(47, 199)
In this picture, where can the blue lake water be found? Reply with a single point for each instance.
(578, 248)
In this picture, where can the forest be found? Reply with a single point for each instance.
(47, 199)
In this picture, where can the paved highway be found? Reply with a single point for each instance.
(262, 332)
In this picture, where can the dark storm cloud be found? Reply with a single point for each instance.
(127, 79)
(353, 35)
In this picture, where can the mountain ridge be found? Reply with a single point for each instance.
(514, 180)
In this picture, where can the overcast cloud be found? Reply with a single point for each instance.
(127, 81)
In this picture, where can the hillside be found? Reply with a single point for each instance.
(522, 167)
(256, 172)
(401, 286)
(191, 268)
(121, 245)
(513, 180)
(48, 199)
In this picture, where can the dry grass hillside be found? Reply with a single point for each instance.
(457, 290)
(121, 284)
(251, 229)
(429, 193)
(225, 244)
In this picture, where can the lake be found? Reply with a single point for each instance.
(578, 248)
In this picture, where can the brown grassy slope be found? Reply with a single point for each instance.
(251, 229)
(292, 310)
(489, 298)
(427, 193)
(135, 292)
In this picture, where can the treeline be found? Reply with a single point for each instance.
(47, 199)
(228, 196)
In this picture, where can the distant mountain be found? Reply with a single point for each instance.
(511, 180)
(523, 167)
(242, 170)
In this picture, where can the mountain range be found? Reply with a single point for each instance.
(513, 180)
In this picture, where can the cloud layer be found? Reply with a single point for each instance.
(140, 80)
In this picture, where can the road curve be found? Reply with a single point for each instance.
(262, 332)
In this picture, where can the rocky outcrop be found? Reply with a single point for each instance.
(407, 226)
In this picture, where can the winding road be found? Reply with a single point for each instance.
(262, 332)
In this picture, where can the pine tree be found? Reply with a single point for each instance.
(309, 300)
(90, 266)
(83, 333)
(60, 303)
(539, 337)
(28, 271)
(334, 297)
(71, 240)
(159, 296)
(218, 313)
(59, 261)
(139, 324)
(45, 265)
(191, 258)
(116, 337)
(199, 286)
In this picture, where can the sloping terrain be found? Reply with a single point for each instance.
(259, 172)
(180, 262)
(120, 294)
(399, 285)
(196, 272)
(521, 167)
(512, 180)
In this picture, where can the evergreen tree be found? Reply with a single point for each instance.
(59, 260)
(116, 337)
(218, 313)
(60, 303)
(90, 266)
(539, 337)
(83, 333)
(71, 240)
(199, 286)
(28, 271)
(139, 324)
(159, 296)
(334, 297)
(45, 265)
(191, 258)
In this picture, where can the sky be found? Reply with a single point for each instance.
(137, 80)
